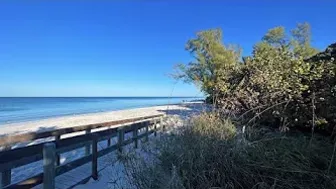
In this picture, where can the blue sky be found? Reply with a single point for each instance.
(128, 48)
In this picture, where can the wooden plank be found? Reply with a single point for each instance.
(73, 164)
(73, 147)
(69, 181)
(78, 173)
(107, 150)
(12, 139)
(62, 182)
(20, 156)
(21, 162)
(74, 176)
(82, 181)
(28, 183)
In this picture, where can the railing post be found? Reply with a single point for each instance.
(1, 184)
(120, 139)
(5, 176)
(109, 142)
(135, 135)
(95, 157)
(49, 157)
(161, 124)
(155, 123)
(147, 130)
(58, 156)
(87, 147)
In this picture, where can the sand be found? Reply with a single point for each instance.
(182, 110)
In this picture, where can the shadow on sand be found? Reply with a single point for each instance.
(188, 110)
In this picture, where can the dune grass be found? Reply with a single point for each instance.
(208, 152)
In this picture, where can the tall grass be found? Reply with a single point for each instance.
(208, 152)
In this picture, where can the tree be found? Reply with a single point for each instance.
(212, 62)
(276, 37)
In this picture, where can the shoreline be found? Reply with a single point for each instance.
(80, 113)
(53, 123)
(25, 109)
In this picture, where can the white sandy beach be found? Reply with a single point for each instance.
(183, 109)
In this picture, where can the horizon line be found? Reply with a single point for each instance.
(102, 97)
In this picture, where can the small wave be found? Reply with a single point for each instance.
(11, 109)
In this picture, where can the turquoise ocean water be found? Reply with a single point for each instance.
(33, 108)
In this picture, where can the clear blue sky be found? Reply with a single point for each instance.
(127, 48)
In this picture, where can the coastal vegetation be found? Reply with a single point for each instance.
(282, 84)
(273, 122)
(208, 152)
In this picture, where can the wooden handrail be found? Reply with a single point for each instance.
(22, 156)
(27, 137)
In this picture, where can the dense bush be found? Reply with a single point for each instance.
(280, 84)
(209, 153)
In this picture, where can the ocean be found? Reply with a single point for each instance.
(17, 109)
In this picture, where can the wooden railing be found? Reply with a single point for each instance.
(50, 151)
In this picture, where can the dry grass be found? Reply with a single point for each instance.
(209, 153)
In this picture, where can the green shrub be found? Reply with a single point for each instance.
(278, 85)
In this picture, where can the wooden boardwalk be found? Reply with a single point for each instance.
(67, 162)
(82, 174)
